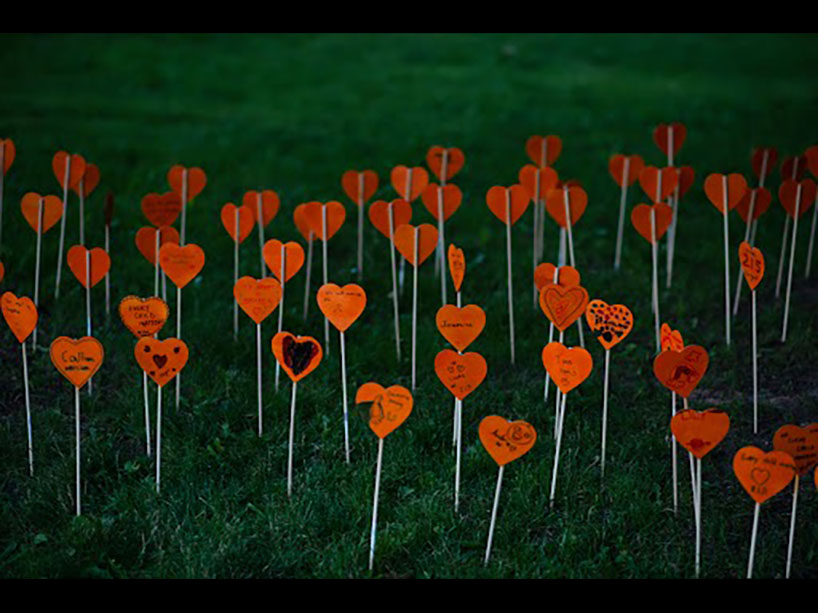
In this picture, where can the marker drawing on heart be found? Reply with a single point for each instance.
(7, 155)
(68, 170)
(265, 205)
(238, 221)
(360, 187)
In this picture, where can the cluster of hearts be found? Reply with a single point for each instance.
(557, 289)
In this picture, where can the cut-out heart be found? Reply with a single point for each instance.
(293, 258)
(641, 219)
(547, 177)
(757, 160)
(400, 181)
(460, 326)
(800, 443)
(714, 189)
(793, 167)
(270, 204)
(763, 475)
(650, 178)
(563, 305)
(752, 263)
(77, 359)
(161, 209)
(761, 197)
(613, 322)
(617, 168)
(162, 360)
(681, 371)
(544, 274)
(700, 431)
(790, 195)
(98, 264)
(359, 186)
(555, 202)
(390, 406)
(457, 266)
(313, 215)
(298, 356)
(257, 297)
(143, 316)
(662, 137)
(341, 305)
(379, 214)
(8, 151)
(543, 150)
(181, 264)
(501, 199)
(196, 180)
(460, 373)
(52, 210)
(670, 340)
(301, 222)
(506, 440)
(426, 242)
(89, 182)
(75, 173)
(146, 240)
(567, 367)
(20, 314)
(449, 196)
(246, 221)
(454, 161)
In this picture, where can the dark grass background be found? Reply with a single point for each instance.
(292, 112)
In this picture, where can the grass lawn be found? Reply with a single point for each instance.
(292, 113)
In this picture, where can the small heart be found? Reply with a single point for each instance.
(659, 184)
(445, 162)
(715, 184)
(752, 263)
(264, 204)
(572, 199)
(457, 266)
(379, 215)
(77, 359)
(619, 162)
(760, 198)
(83, 261)
(567, 367)
(314, 213)
(390, 406)
(613, 322)
(546, 273)
(162, 360)
(642, 214)
(460, 325)
(506, 440)
(460, 373)
(563, 305)
(409, 183)
(238, 221)
(543, 150)
(538, 181)
(763, 475)
(146, 240)
(800, 443)
(670, 340)
(297, 356)
(257, 297)
(681, 371)
(507, 202)
(664, 133)
(798, 195)
(196, 180)
(359, 186)
(143, 316)
(700, 431)
(293, 255)
(181, 264)
(445, 199)
(75, 165)
(341, 305)
(161, 209)
(405, 237)
(51, 211)
(20, 314)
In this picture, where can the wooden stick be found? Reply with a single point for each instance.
(560, 421)
(77, 493)
(28, 401)
(415, 308)
(671, 237)
(459, 417)
(550, 339)
(792, 525)
(156, 265)
(324, 263)
(783, 256)
(344, 390)
(694, 487)
(66, 176)
(360, 226)
(88, 304)
(566, 202)
(292, 433)
(236, 278)
(260, 217)
(159, 436)
(2, 187)
(394, 277)
(508, 259)
(698, 515)
(406, 196)
(494, 514)
(440, 244)
(755, 367)
(674, 463)
(258, 376)
(372, 531)
(282, 275)
(562, 259)
(179, 336)
(164, 285)
(605, 407)
(82, 210)
(147, 413)
(753, 542)
(726, 263)
(535, 248)
(440, 256)
(811, 237)
(623, 198)
(792, 260)
(108, 274)
(455, 427)
(740, 277)
(557, 395)
(37, 267)
(655, 277)
(184, 205)
(307, 282)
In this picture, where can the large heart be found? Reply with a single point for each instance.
(196, 180)
(359, 186)
(670, 339)
(663, 133)
(390, 406)
(75, 172)
(162, 360)
(161, 209)
(800, 194)
(793, 167)
(659, 184)
(257, 297)
(616, 167)
(460, 325)
(181, 264)
(763, 475)
(298, 356)
(77, 359)
(457, 265)
(502, 200)
(563, 305)
(245, 217)
(641, 219)
(89, 181)
(96, 267)
(293, 254)
(567, 367)
(566, 276)
(460, 373)
(20, 314)
(538, 181)
(681, 371)
(454, 160)
(752, 263)
(757, 160)
(426, 242)
(379, 215)
(714, 186)
(8, 151)
(314, 216)
(448, 197)
(574, 197)
(409, 183)
(341, 305)
(264, 204)
(543, 150)
(506, 440)
(800, 443)
(612, 322)
(143, 316)
(700, 431)
(52, 210)
(146, 240)
(761, 199)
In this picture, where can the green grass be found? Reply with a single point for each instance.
(292, 113)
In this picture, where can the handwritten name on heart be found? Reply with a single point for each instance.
(257, 297)
(507, 202)
(196, 180)
(681, 371)
(572, 198)
(657, 183)
(298, 356)
(641, 219)
(800, 443)
(293, 258)
(143, 316)
(678, 132)
(616, 167)
(20, 314)
(238, 221)
(341, 305)
(75, 172)
(752, 263)
(670, 339)
(379, 215)
(52, 210)
(700, 431)
(146, 240)
(457, 266)
(538, 181)
(162, 360)
(359, 186)
(563, 305)
(181, 264)
(567, 367)
(763, 475)
(390, 406)
(400, 178)
(161, 209)
(315, 213)
(270, 204)
(612, 322)
(544, 274)
(454, 161)
(460, 373)
(506, 440)
(543, 150)
(460, 325)
(715, 184)
(85, 263)
(448, 197)
(426, 242)
(77, 359)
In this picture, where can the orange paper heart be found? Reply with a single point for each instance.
(460, 373)
(301, 222)
(379, 215)
(457, 266)
(543, 150)
(246, 219)
(293, 258)
(757, 160)
(790, 195)
(161, 209)
(617, 164)
(181, 264)
(681, 371)
(563, 305)
(663, 133)
(447, 197)
(555, 204)
(714, 188)
(454, 162)
(314, 216)
(752, 263)
(538, 181)
(567, 367)
(98, 264)
(298, 356)
(502, 200)
(146, 240)
(763, 475)
(793, 167)
(761, 199)
(659, 184)
(257, 297)
(671, 340)
(20, 314)
(401, 180)
(612, 322)
(89, 181)
(162, 360)
(52, 210)
(359, 186)
(269, 205)
(426, 242)
(341, 305)
(196, 180)
(641, 219)
(800, 443)
(143, 316)
(460, 326)
(390, 406)
(544, 274)
(77, 359)
(506, 440)
(700, 431)
(686, 177)
(75, 172)
(8, 151)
